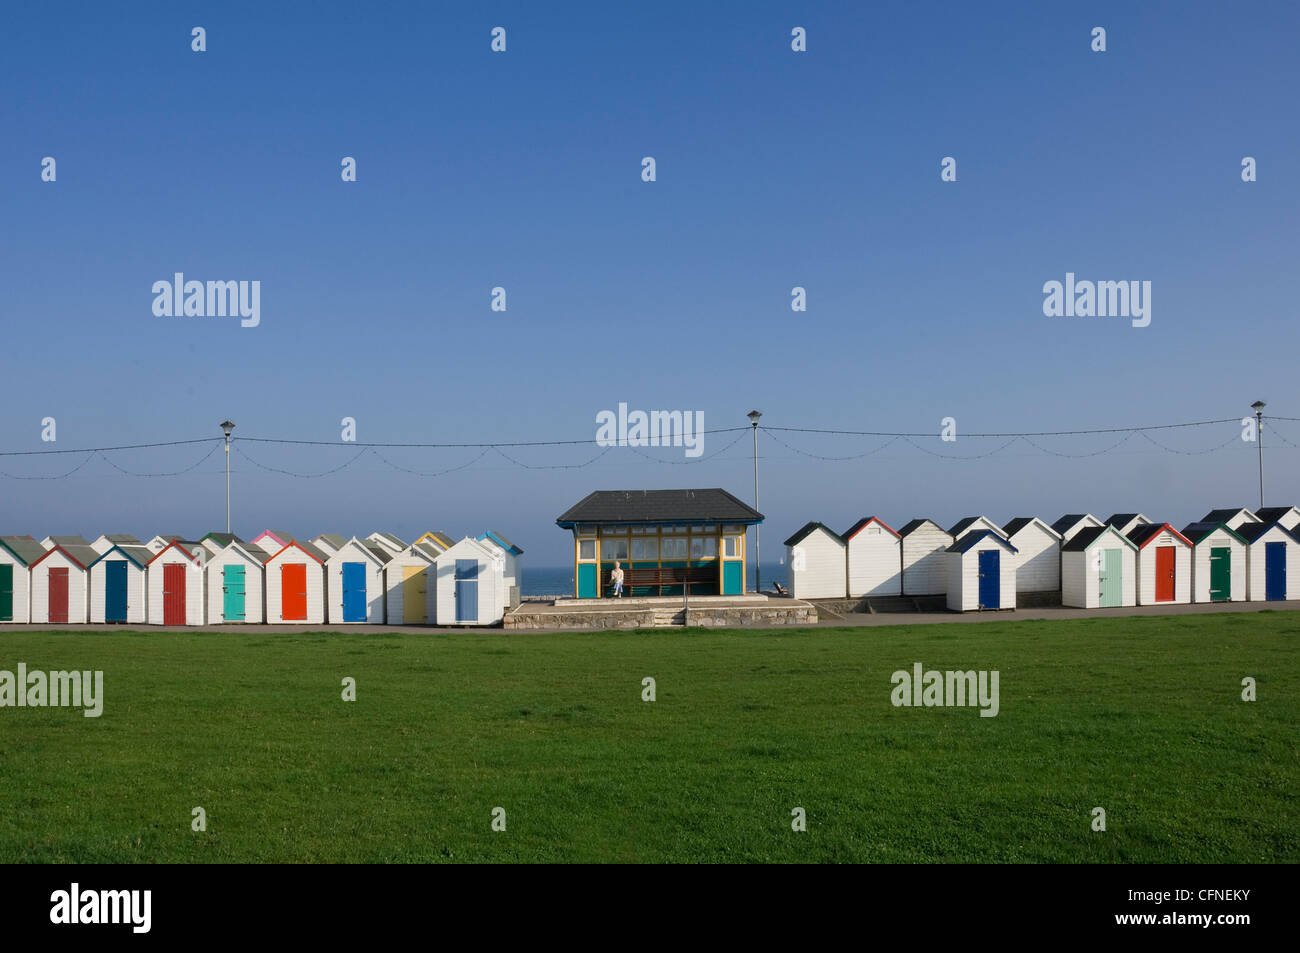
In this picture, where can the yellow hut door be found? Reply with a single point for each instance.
(415, 594)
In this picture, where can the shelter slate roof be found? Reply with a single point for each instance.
(713, 505)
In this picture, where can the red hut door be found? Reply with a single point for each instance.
(59, 594)
(1164, 574)
(174, 594)
(293, 592)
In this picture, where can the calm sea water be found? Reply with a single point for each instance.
(558, 580)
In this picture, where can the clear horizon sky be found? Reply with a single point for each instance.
(522, 169)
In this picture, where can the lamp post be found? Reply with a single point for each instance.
(1258, 408)
(226, 427)
(753, 416)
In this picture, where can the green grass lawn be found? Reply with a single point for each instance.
(1141, 716)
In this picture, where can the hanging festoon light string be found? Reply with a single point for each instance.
(506, 450)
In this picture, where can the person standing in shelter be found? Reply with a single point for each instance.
(616, 577)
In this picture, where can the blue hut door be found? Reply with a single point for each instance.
(115, 591)
(990, 579)
(467, 590)
(354, 592)
(1274, 571)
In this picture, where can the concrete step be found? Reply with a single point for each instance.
(669, 615)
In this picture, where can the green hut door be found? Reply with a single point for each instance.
(1109, 579)
(1220, 574)
(6, 592)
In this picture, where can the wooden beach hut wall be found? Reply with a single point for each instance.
(1164, 564)
(236, 584)
(925, 566)
(1038, 554)
(295, 585)
(1231, 518)
(393, 544)
(17, 553)
(119, 584)
(60, 584)
(1272, 562)
(981, 572)
(214, 543)
(49, 542)
(816, 563)
(1127, 521)
(875, 559)
(411, 583)
(176, 585)
(106, 542)
(1071, 523)
(1099, 569)
(510, 553)
(1288, 516)
(469, 579)
(968, 524)
(1218, 562)
(354, 583)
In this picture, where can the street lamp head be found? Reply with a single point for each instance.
(227, 426)
(753, 416)
(1258, 406)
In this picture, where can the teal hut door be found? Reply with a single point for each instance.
(232, 579)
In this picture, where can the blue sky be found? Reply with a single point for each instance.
(522, 169)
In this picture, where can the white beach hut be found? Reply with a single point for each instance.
(1164, 564)
(176, 585)
(1288, 516)
(295, 585)
(1127, 521)
(60, 584)
(49, 542)
(119, 583)
(1232, 518)
(237, 584)
(925, 567)
(875, 559)
(1099, 569)
(271, 541)
(1038, 554)
(968, 524)
(330, 543)
(17, 553)
(1071, 523)
(393, 544)
(815, 561)
(469, 578)
(106, 542)
(510, 553)
(354, 582)
(981, 572)
(1272, 562)
(411, 579)
(1218, 562)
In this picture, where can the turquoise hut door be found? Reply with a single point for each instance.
(232, 578)
(586, 580)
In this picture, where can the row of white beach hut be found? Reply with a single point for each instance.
(273, 578)
(1230, 555)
